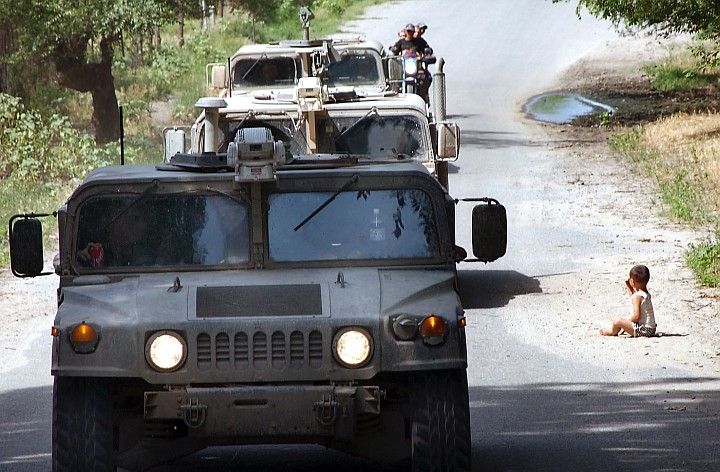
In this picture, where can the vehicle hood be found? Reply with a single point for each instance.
(351, 293)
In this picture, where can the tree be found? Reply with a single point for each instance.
(78, 39)
(665, 17)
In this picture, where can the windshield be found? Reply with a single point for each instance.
(162, 230)
(377, 224)
(266, 72)
(376, 136)
(356, 67)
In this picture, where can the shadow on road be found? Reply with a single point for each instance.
(494, 139)
(25, 433)
(493, 288)
(669, 425)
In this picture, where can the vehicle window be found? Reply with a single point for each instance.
(376, 224)
(379, 136)
(354, 68)
(167, 230)
(281, 129)
(266, 72)
(376, 136)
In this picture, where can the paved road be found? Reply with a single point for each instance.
(533, 408)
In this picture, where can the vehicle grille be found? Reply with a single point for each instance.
(259, 300)
(243, 350)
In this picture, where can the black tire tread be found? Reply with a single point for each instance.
(441, 422)
(82, 430)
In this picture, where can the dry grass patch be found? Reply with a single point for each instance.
(689, 144)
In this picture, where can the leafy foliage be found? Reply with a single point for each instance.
(704, 260)
(38, 148)
(665, 17)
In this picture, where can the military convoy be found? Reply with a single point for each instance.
(290, 279)
(331, 96)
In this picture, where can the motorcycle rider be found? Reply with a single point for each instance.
(407, 42)
(420, 29)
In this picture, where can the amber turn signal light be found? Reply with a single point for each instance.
(433, 330)
(83, 333)
(84, 338)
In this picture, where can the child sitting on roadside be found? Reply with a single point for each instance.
(642, 319)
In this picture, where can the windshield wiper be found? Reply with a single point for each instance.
(150, 188)
(253, 65)
(373, 111)
(345, 186)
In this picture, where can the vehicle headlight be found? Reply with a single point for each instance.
(165, 351)
(353, 347)
(410, 66)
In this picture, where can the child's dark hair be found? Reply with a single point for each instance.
(640, 273)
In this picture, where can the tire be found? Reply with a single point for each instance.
(440, 422)
(82, 431)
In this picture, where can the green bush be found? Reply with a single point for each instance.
(704, 260)
(666, 77)
(39, 148)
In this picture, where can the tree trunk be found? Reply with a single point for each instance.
(181, 24)
(73, 71)
(221, 8)
(5, 49)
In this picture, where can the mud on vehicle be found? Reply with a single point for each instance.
(259, 296)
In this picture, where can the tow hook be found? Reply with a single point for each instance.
(326, 410)
(193, 412)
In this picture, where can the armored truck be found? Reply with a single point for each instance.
(259, 296)
(354, 61)
(313, 114)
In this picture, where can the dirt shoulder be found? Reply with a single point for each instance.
(629, 207)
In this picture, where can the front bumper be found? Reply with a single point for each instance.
(252, 412)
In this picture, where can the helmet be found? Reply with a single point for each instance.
(409, 27)
(421, 26)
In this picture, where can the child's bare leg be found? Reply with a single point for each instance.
(619, 324)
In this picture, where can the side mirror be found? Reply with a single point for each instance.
(489, 230)
(174, 140)
(26, 246)
(216, 76)
(394, 69)
(448, 140)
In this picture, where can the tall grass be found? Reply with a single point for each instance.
(682, 154)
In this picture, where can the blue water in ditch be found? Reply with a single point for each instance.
(560, 108)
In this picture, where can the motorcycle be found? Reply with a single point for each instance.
(415, 74)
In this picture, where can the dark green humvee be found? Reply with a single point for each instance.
(257, 297)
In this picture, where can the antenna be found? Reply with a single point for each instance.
(305, 16)
(122, 138)
(229, 78)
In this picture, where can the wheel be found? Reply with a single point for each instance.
(440, 422)
(82, 432)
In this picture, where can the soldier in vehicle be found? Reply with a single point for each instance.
(269, 73)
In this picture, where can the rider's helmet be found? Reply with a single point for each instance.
(410, 27)
(421, 27)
